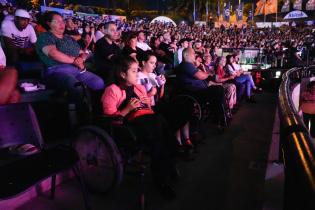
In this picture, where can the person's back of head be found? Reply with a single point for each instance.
(189, 55)
(101, 27)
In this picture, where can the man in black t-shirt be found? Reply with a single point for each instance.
(105, 50)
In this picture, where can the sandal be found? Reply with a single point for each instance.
(24, 149)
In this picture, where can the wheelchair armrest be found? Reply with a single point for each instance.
(118, 129)
(111, 120)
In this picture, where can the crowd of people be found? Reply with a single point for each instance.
(128, 63)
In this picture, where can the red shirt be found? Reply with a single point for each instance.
(220, 72)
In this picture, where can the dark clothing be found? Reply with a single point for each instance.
(200, 90)
(293, 60)
(177, 112)
(127, 51)
(83, 45)
(104, 64)
(130, 93)
(169, 53)
(71, 32)
(185, 76)
(215, 95)
(152, 132)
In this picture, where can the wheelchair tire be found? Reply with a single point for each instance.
(197, 113)
(100, 159)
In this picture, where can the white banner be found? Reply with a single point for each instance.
(61, 11)
(295, 15)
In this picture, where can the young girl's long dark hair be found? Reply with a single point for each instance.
(121, 65)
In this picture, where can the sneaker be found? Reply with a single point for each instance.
(188, 143)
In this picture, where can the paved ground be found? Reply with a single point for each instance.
(228, 173)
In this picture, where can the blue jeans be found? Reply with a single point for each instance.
(248, 81)
(64, 77)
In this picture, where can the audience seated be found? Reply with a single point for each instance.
(105, 50)
(70, 29)
(223, 78)
(100, 32)
(197, 83)
(138, 94)
(128, 99)
(19, 38)
(241, 78)
(64, 60)
(142, 41)
(130, 48)
(176, 116)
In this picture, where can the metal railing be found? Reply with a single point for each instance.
(298, 147)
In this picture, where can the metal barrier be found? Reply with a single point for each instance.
(298, 147)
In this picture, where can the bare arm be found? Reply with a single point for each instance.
(52, 52)
(201, 75)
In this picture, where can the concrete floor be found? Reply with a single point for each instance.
(228, 172)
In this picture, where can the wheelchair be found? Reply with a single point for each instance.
(107, 148)
(202, 109)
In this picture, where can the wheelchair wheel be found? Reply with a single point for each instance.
(197, 111)
(100, 159)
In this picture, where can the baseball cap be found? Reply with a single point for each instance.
(22, 13)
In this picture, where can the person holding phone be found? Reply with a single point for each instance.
(127, 99)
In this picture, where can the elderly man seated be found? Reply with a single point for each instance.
(196, 82)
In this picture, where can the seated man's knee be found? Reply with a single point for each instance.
(97, 84)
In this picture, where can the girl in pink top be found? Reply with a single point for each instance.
(124, 97)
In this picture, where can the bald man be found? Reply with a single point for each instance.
(195, 82)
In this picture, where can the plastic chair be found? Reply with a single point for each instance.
(18, 125)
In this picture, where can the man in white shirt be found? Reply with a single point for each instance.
(19, 38)
(141, 42)
(100, 32)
